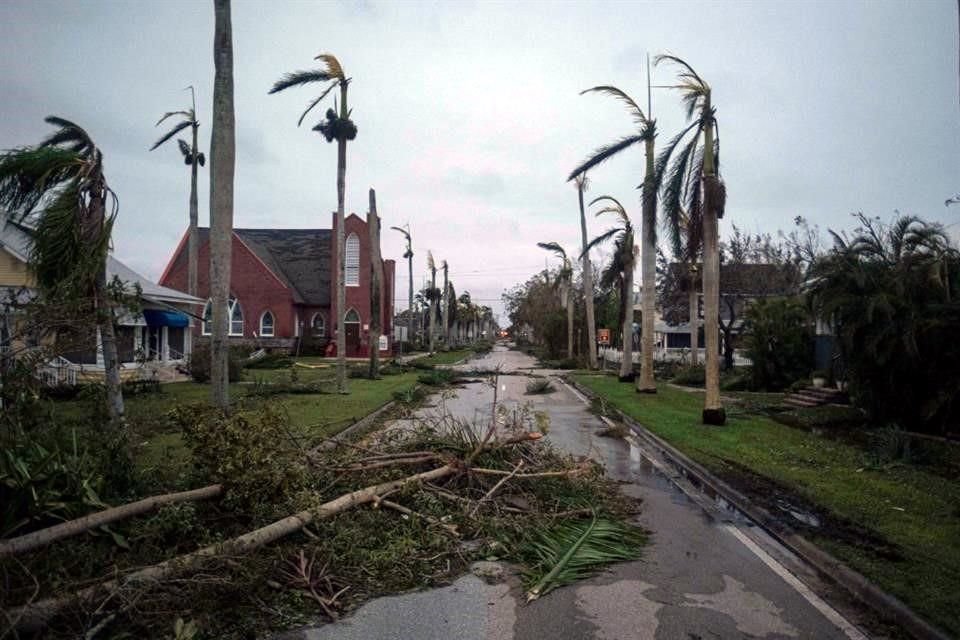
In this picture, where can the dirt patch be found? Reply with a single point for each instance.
(804, 516)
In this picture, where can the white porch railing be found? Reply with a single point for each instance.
(58, 371)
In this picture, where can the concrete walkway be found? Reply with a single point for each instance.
(706, 574)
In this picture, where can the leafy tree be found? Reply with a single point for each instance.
(778, 341)
(891, 294)
(620, 271)
(60, 189)
(336, 126)
(222, 165)
(646, 134)
(691, 184)
(192, 157)
(564, 285)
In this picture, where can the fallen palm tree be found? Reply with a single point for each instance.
(43, 537)
(428, 485)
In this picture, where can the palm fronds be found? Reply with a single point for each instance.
(297, 78)
(574, 550)
(635, 111)
(605, 153)
(180, 126)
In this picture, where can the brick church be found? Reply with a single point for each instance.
(283, 287)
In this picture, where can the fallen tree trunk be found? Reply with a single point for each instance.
(33, 616)
(44, 537)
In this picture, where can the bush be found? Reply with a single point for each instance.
(436, 377)
(691, 376)
(778, 342)
(250, 453)
(199, 363)
(737, 380)
(538, 386)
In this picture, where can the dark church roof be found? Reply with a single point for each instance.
(299, 257)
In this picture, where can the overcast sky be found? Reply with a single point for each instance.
(469, 116)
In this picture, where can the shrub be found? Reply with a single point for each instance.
(199, 363)
(436, 377)
(778, 342)
(691, 376)
(538, 386)
(248, 452)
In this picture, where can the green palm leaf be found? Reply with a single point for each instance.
(574, 550)
(298, 78)
(177, 129)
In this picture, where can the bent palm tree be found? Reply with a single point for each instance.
(582, 182)
(339, 127)
(59, 187)
(620, 271)
(692, 184)
(564, 284)
(646, 134)
(192, 157)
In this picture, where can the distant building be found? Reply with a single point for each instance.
(283, 289)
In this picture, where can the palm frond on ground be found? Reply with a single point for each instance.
(574, 550)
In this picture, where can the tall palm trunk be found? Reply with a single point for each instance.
(433, 309)
(648, 266)
(341, 248)
(410, 299)
(588, 285)
(193, 240)
(222, 160)
(376, 275)
(694, 308)
(713, 412)
(445, 304)
(569, 296)
(105, 322)
(626, 313)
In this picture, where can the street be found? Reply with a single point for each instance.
(707, 572)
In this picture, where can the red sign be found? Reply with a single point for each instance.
(603, 336)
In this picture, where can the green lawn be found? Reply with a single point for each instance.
(908, 506)
(159, 446)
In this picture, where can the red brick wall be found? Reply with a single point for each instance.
(251, 282)
(358, 297)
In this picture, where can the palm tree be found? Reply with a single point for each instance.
(192, 157)
(222, 163)
(582, 183)
(59, 185)
(339, 127)
(376, 278)
(408, 254)
(432, 299)
(686, 241)
(620, 270)
(564, 284)
(693, 185)
(646, 134)
(445, 303)
(890, 298)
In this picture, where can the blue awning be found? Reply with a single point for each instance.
(162, 318)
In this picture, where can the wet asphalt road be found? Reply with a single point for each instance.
(707, 574)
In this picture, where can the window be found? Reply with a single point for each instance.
(233, 311)
(318, 326)
(236, 318)
(352, 273)
(266, 324)
(352, 317)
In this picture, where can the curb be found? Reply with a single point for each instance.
(887, 606)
